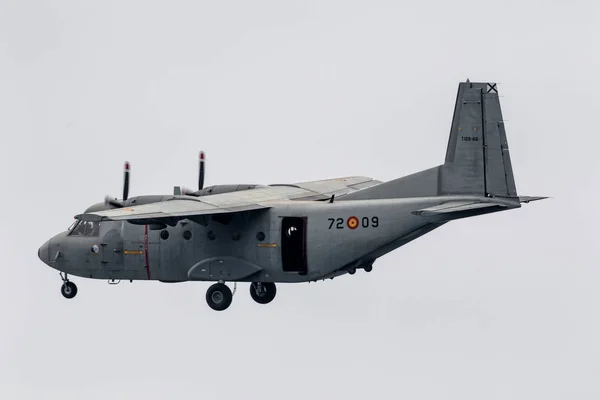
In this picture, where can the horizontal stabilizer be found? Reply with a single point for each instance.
(461, 207)
(527, 199)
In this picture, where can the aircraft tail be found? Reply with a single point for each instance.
(477, 157)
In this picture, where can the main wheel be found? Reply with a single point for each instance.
(263, 292)
(219, 296)
(68, 289)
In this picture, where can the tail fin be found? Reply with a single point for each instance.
(477, 158)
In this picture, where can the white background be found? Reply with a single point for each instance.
(503, 306)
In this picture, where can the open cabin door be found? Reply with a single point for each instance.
(293, 244)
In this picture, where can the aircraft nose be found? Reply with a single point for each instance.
(44, 252)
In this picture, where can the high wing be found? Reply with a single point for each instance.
(324, 189)
(177, 207)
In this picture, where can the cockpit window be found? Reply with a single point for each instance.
(85, 228)
(73, 225)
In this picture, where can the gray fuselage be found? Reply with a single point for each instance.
(293, 241)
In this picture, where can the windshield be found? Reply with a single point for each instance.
(73, 225)
(85, 228)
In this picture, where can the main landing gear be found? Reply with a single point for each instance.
(68, 289)
(263, 292)
(219, 296)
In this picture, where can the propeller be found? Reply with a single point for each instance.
(115, 203)
(201, 173)
(183, 191)
(126, 180)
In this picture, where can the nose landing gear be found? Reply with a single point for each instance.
(68, 289)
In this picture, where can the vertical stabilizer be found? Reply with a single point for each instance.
(477, 157)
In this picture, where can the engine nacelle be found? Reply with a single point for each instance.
(218, 189)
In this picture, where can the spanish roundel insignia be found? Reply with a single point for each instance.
(95, 249)
(352, 222)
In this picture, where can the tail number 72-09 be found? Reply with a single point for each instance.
(353, 222)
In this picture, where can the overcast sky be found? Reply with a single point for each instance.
(503, 306)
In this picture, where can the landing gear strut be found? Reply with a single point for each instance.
(68, 289)
(263, 292)
(219, 296)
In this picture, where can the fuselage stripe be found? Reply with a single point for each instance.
(146, 250)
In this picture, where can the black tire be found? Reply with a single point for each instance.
(69, 290)
(219, 296)
(266, 295)
(369, 268)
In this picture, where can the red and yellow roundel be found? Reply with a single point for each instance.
(352, 222)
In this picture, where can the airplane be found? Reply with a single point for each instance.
(290, 233)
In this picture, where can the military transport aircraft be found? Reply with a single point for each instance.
(296, 232)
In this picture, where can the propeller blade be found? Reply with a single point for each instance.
(126, 180)
(201, 174)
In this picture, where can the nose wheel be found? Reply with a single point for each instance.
(68, 289)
